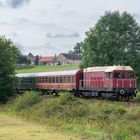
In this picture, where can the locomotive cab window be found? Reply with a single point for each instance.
(130, 75)
(117, 75)
(124, 75)
(108, 75)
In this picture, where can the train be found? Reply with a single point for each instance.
(107, 82)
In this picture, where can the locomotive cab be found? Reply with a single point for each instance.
(124, 82)
(121, 81)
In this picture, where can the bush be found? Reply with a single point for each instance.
(137, 97)
(121, 110)
(122, 134)
(27, 100)
(66, 98)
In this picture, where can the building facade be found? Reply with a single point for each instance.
(68, 59)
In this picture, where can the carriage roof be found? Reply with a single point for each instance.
(107, 68)
(54, 73)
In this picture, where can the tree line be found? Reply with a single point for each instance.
(28, 59)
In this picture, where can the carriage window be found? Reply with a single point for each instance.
(53, 80)
(61, 80)
(50, 80)
(46, 80)
(73, 80)
(38, 80)
(43, 80)
(123, 75)
(108, 75)
(69, 79)
(130, 75)
(117, 75)
(64, 79)
(57, 80)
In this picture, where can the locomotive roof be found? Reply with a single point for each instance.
(107, 68)
(54, 73)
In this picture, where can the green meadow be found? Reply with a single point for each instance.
(31, 69)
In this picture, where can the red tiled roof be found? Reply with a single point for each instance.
(46, 59)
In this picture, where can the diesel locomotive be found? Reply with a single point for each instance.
(111, 82)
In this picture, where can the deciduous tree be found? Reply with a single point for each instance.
(115, 40)
(8, 59)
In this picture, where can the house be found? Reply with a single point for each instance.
(49, 60)
(66, 59)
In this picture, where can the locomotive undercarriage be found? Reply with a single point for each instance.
(111, 94)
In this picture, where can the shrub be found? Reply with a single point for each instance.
(27, 100)
(122, 134)
(121, 110)
(66, 98)
(137, 97)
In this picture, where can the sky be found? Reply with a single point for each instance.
(49, 27)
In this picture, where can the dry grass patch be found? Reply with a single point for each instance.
(12, 128)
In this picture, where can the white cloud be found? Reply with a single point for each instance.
(52, 26)
(17, 3)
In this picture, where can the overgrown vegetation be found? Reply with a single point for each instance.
(94, 118)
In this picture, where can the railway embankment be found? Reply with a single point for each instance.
(87, 118)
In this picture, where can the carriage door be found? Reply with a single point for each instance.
(108, 80)
(81, 79)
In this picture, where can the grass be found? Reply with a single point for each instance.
(30, 69)
(13, 128)
(88, 118)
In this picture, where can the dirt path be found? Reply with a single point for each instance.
(12, 128)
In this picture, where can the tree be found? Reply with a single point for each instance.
(115, 40)
(8, 59)
(71, 52)
(78, 49)
(37, 60)
(23, 59)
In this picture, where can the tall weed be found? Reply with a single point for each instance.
(26, 100)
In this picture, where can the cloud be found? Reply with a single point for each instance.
(17, 3)
(45, 49)
(1, 4)
(63, 35)
(14, 34)
(136, 15)
(20, 47)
